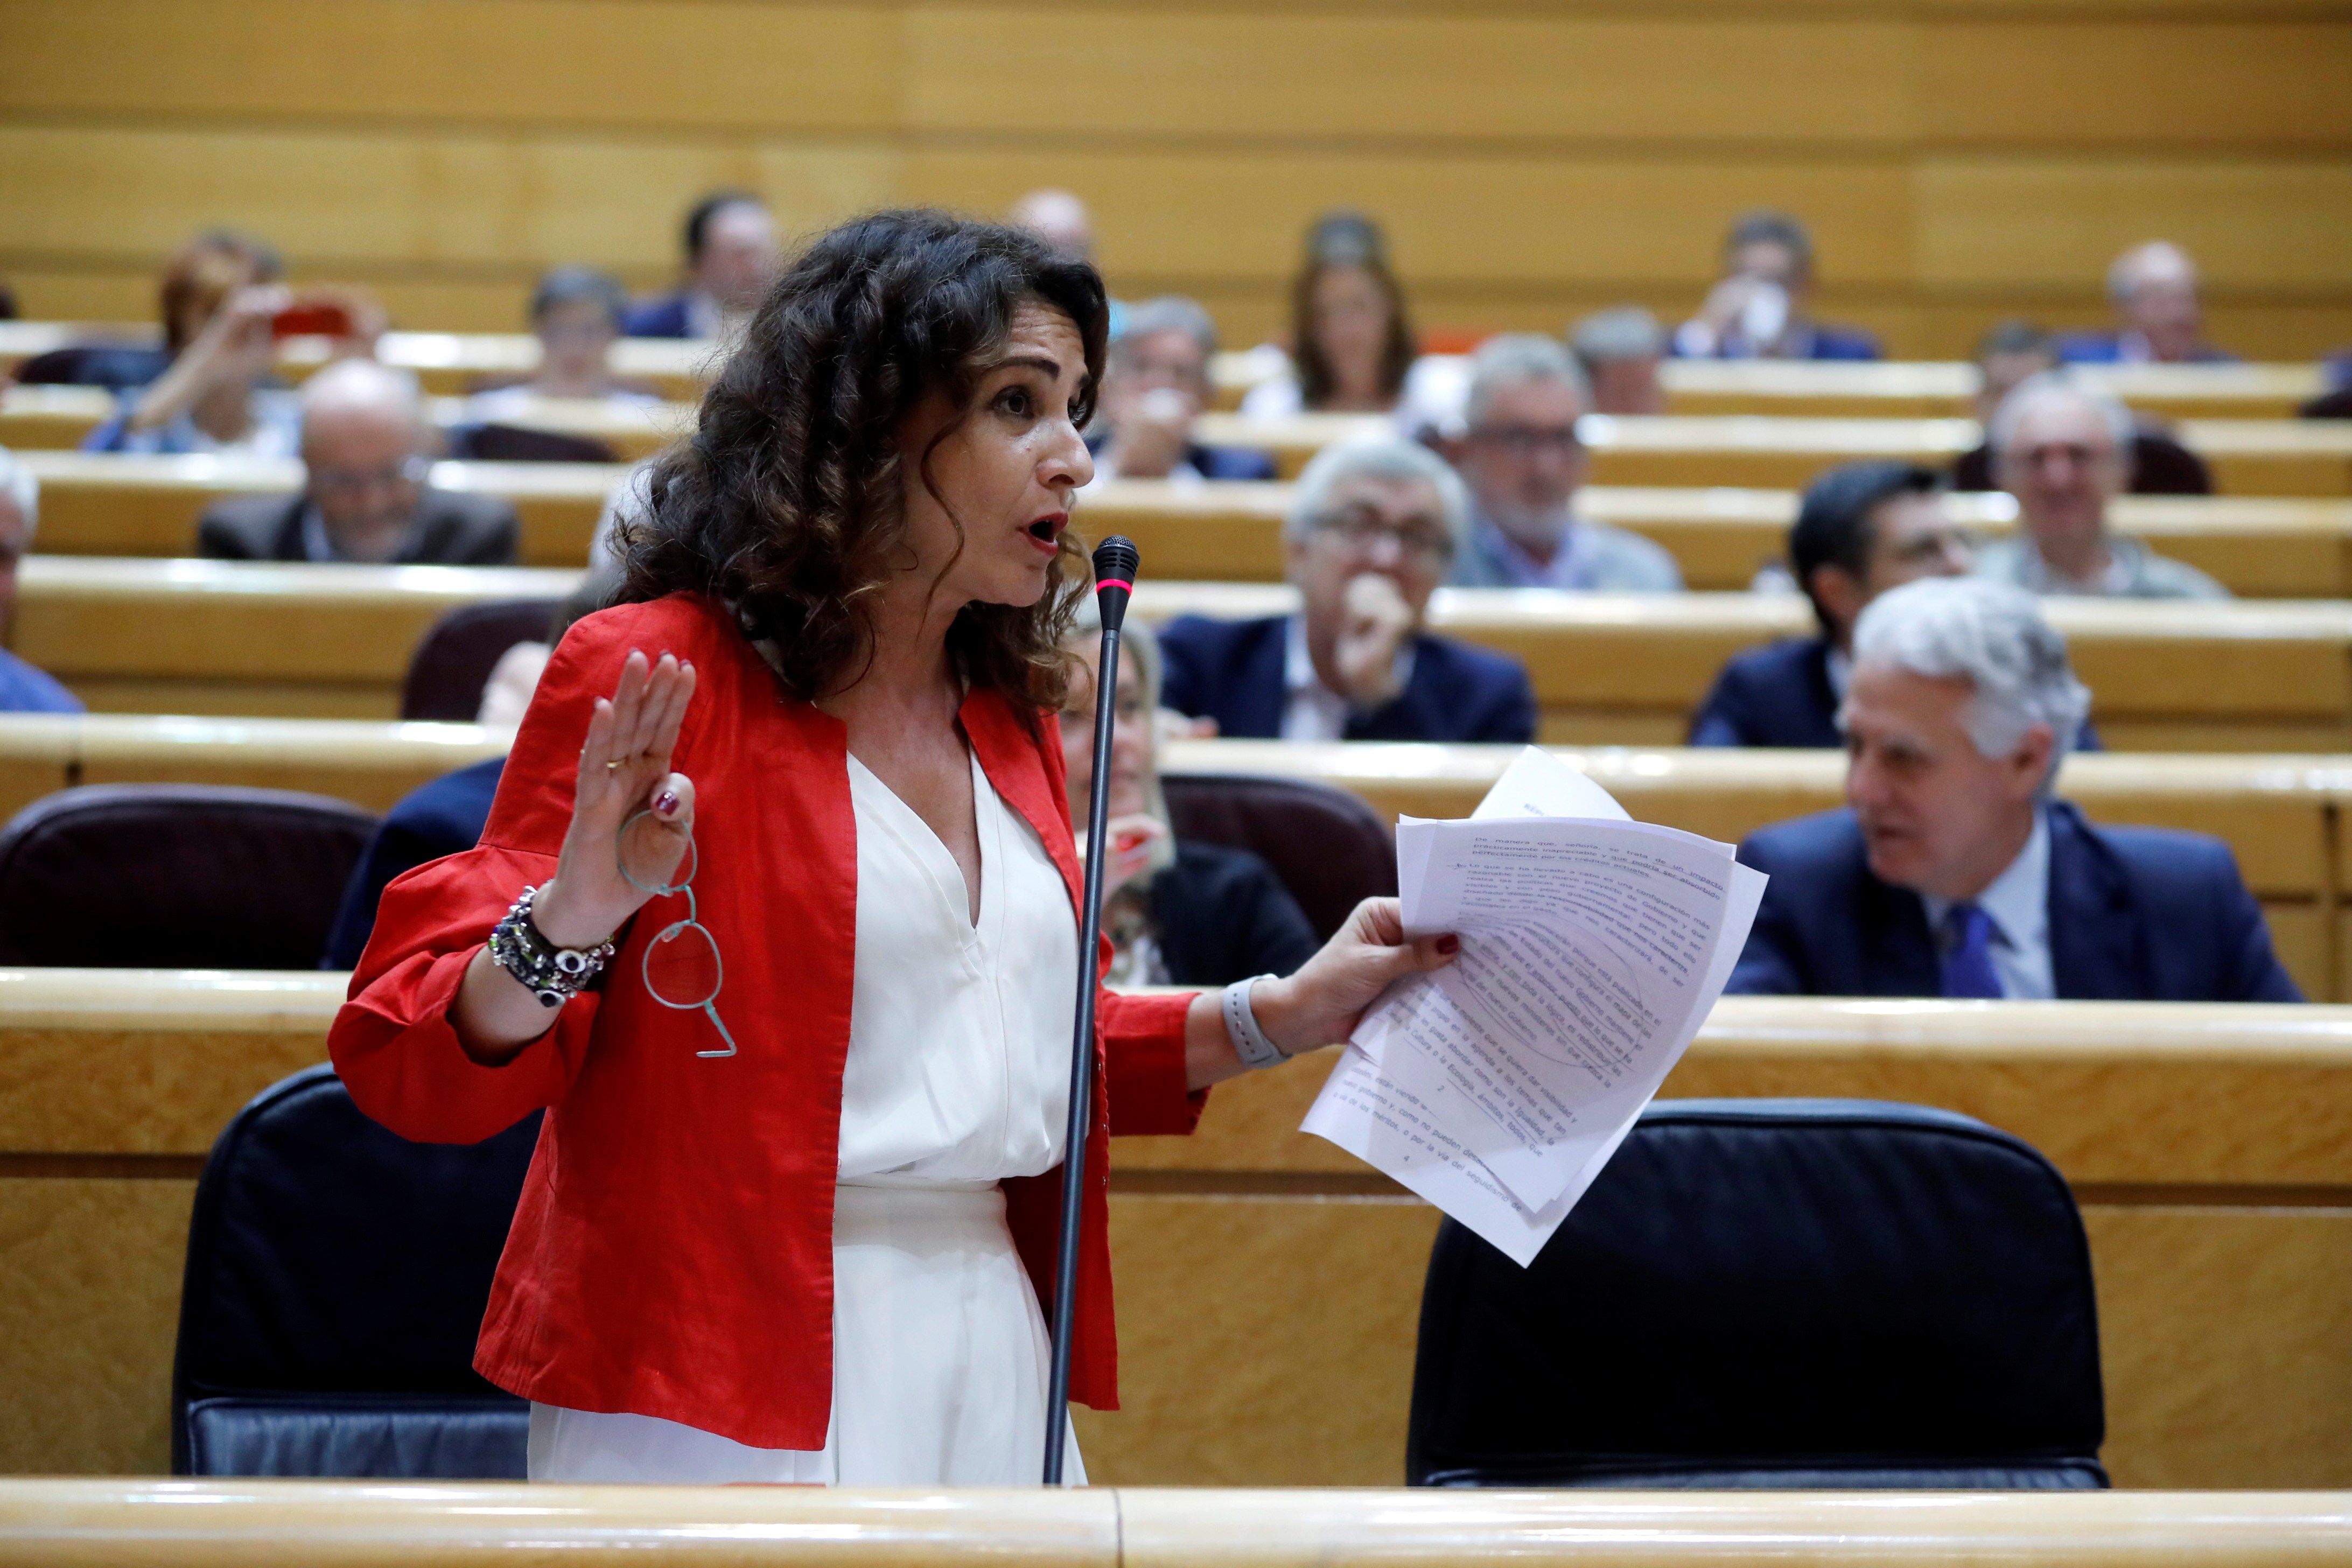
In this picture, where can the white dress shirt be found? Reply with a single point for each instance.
(1310, 709)
(2018, 902)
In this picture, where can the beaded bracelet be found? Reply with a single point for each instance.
(553, 974)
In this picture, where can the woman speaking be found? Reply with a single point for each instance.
(775, 914)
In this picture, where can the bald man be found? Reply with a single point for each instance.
(364, 497)
(2153, 288)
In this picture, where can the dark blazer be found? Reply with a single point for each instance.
(450, 529)
(1223, 915)
(1777, 695)
(663, 316)
(1213, 462)
(1781, 695)
(2136, 915)
(444, 817)
(2107, 348)
(1232, 671)
(1842, 342)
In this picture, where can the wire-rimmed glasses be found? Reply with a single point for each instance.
(682, 968)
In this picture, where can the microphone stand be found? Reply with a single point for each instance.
(1114, 563)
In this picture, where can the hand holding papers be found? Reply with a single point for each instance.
(1592, 948)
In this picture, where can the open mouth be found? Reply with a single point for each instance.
(1048, 529)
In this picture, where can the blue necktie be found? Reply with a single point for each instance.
(1967, 952)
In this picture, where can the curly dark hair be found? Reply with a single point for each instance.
(786, 504)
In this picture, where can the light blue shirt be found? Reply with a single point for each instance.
(2018, 903)
(1592, 557)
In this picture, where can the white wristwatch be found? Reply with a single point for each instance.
(1250, 1042)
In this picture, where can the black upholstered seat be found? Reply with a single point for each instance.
(1775, 1293)
(453, 661)
(1328, 847)
(336, 1279)
(175, 877)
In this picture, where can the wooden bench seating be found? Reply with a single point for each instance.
(2258, 546)
(1268, 1286)
(2283, 817)
(206, 636)
(2248, 457)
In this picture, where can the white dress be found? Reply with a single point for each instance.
(958, 1076)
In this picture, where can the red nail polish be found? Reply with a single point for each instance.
(1449, 945)
(666, 802)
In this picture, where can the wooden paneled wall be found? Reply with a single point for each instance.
(1532, 158)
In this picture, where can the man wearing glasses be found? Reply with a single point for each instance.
(364, 496)
(1370, 535)
(1523, 461)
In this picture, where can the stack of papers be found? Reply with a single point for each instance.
(1592, 948)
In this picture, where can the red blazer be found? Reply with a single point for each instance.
(672, 1255)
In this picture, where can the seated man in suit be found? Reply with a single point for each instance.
(1523, 461)
(1618, 349)
(1862, 528)
(1154, 385)
(2153, 288)
(364, 496)
(22, 688)
(1953, 872)
(2064, 451)
(1758, 309)
(730, 260)
(1370, 533)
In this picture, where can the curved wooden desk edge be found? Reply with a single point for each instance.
(187, 1523)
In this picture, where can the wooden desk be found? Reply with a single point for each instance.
(116, 504)
(261, 1523)
(1268, 1285)
(49, 418)
(2248, 457)
(1627, 670)
(449, 363)
(1915, 389)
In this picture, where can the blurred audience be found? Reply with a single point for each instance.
(1178, 912)
(575, 313)
(2064, 451)
(1351, 342)
(1618, 351)
(1523, 462)
(1758, 309)
(8, 301)
(364, 496)
(22, 688)
(730, 260)
(1861, 529)
(1060, 220)
(1155, 385)
(1952, 872)
(196, 279)
(1372, 528)
(2015, 350)
(2153, 288)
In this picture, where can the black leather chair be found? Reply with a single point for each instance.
(1328, 847)
(522, 444)
(2336, 404)
(336, 1279)
(453, 661)
(175, 877)
(2161, 466)
(1766, 1293)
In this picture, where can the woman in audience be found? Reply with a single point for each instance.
(1352, 344)
(213, 390)
(1177, 911)
(803, 1149)
(575, 313)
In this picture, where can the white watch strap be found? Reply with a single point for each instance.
(1250, 1042)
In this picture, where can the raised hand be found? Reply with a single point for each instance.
(1374, 621)
(624, 770)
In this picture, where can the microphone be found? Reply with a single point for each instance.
(1114, 564)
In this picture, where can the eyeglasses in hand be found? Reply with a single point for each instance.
(681, 967)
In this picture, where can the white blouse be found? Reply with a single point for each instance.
(958, 1075)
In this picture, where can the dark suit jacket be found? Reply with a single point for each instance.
(444, 817)
(1213, 462)
(2135, 914)
(1781, 695)
(1223, 915)
(2107, 348)
(663, 316)
(1232, 671)
(1842, 342)
(450, 529)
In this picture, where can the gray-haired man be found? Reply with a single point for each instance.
(1951, 871)
(1372, 530)
(1523, 461)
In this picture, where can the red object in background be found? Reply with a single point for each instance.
(311, 321)
(1454, 340)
